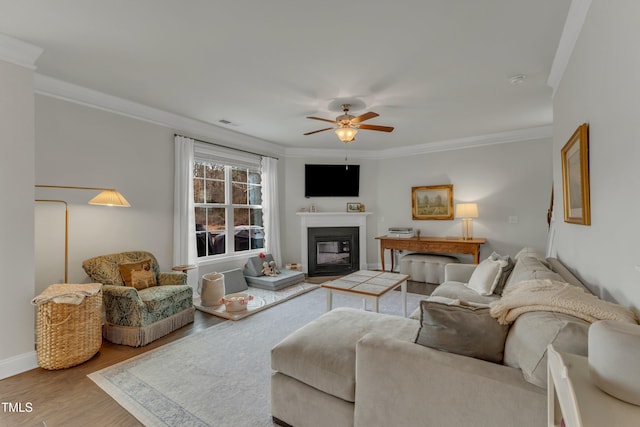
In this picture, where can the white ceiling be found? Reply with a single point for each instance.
(436, 70)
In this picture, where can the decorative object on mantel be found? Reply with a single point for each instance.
(106, 197)
(467, 211)
(432, 202)
(354, 207)
(575, 177)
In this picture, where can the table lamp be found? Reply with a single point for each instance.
(467, 211)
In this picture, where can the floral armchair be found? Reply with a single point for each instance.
(141, 303)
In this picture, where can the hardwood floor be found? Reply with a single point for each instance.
(67, 397)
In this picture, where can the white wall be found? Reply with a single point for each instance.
(505, 180)
(16, 220)
(294, 199)
(81, 146)
(600, 86)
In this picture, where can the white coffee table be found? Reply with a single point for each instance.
(368, 285)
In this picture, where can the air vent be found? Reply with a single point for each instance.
(225, 122)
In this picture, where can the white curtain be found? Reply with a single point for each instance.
(270, 207)
(184, 222)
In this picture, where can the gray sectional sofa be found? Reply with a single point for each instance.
(352, 367)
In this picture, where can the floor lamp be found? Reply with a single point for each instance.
(106, 197)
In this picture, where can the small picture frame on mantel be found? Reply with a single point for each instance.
(354, 207)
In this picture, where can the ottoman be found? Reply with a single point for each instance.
(315, 367)
(426, 268)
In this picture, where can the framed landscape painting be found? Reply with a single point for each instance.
(432, 202)
(575, 177)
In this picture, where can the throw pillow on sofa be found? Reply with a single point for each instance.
(507, 268)
(462, 328)
(486, 276)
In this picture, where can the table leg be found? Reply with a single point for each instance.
(375, 304)
(329, 299)
(403, 288)
(393, 259)
(382, 254)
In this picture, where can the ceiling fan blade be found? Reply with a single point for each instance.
(320, 118)
(316, 131)
(376, 127)
(365, 116)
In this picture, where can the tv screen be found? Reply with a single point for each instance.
(331, 180)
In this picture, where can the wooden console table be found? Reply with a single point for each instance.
(430, 244)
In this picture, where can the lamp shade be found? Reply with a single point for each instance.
(110, 198)
(346, 134)
(466, 210)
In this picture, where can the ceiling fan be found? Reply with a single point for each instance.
(347, 126)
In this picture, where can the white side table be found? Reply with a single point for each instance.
(572, 396)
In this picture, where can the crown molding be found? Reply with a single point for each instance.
(520, 135)
(329, 153)
(572, 27)
(49, 86)
(18, 52)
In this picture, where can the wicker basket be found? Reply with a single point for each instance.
(68, 334)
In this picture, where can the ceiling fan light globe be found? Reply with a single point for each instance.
(346, 134)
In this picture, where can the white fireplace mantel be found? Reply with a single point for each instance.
(333, 219)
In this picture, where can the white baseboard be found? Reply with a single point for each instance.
(17, 364)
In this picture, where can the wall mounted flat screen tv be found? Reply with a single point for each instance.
(331, 180)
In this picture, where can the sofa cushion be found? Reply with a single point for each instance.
(486, 276)
(530, 252)
(144, 276)
(254, 265)
(531, 333)
(507, 265)
(529, 268)
(234, 281)
(458, 290)
(322, 354)
(567, 276)
(274, 283)
(458, 327)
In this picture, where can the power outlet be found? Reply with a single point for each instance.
(513, 219)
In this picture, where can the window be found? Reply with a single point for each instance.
(227, 202)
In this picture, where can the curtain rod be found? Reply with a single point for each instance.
(224, 146)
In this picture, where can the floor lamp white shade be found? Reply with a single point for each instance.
(467, 211)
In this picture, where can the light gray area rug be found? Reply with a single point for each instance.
(262, 298)
(220, 376)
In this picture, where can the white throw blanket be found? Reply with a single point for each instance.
(67, 293)
(560, 297)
